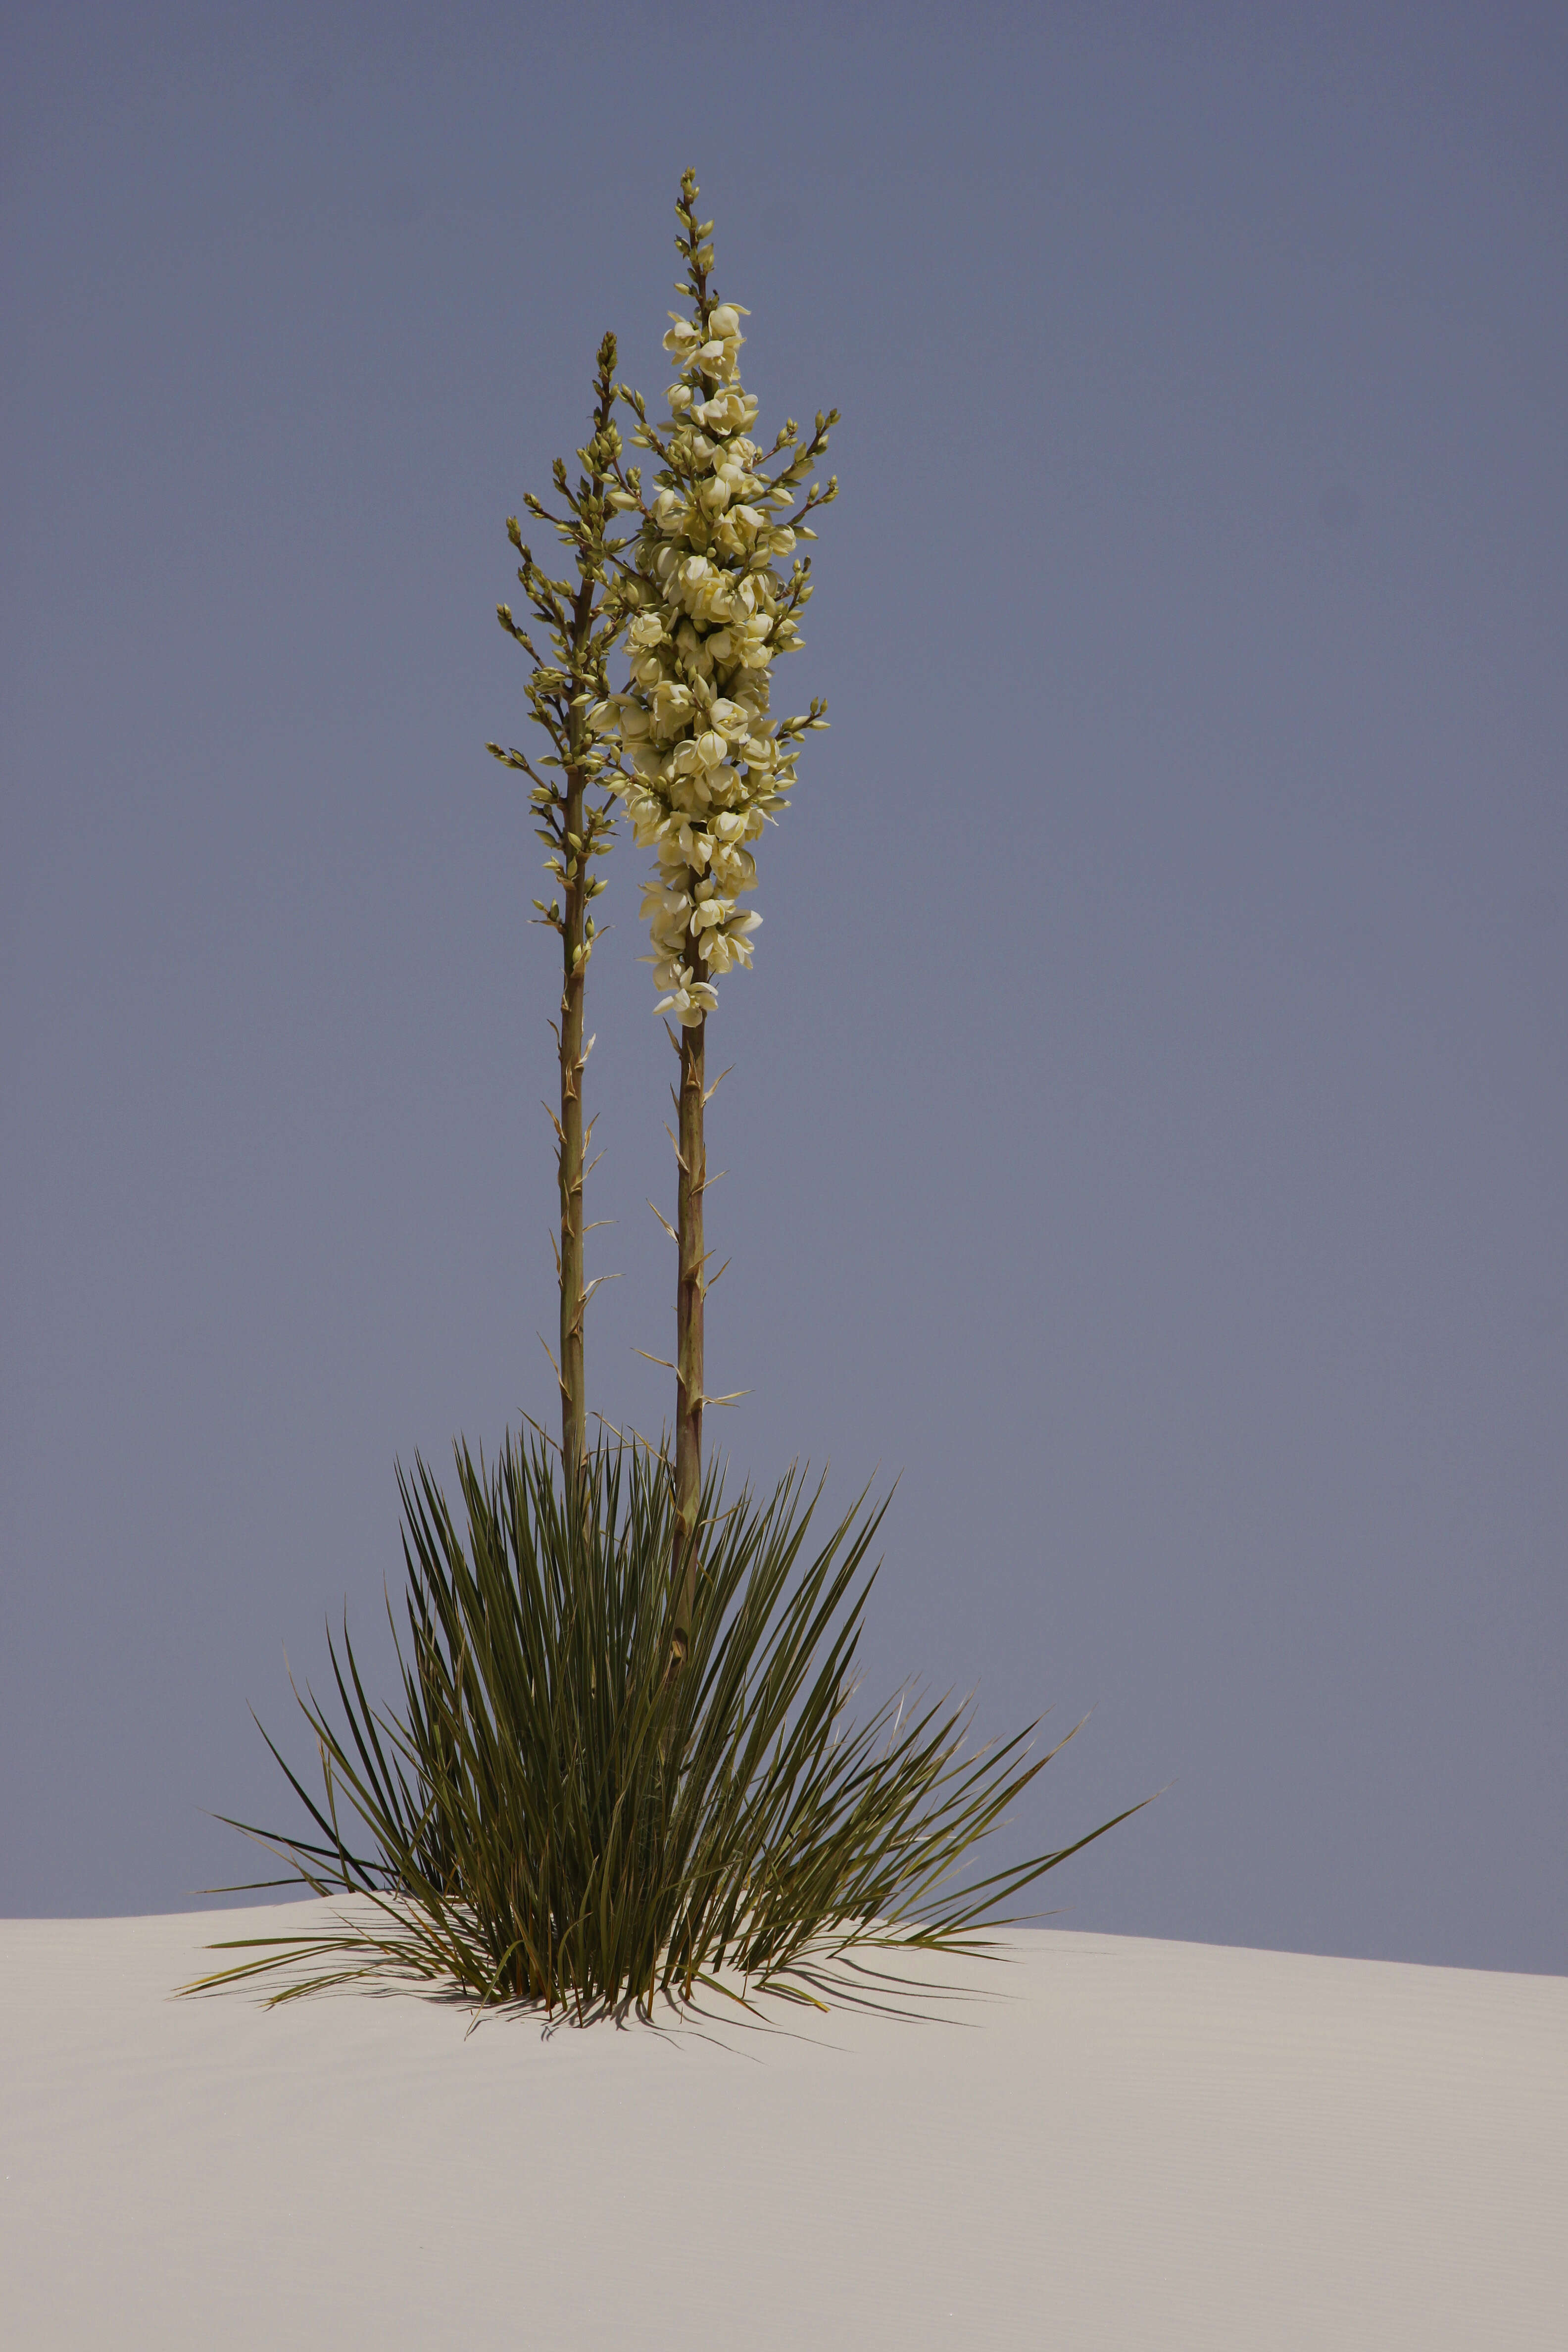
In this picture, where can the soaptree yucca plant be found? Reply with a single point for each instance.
(550, 1817)
(625, 1756)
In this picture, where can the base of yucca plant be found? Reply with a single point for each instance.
(557, 1812)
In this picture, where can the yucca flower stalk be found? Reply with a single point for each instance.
(705, 767)
(585, 615)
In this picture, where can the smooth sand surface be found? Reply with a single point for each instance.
(1104, 2143)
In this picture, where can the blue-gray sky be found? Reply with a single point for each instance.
(1147, 1128)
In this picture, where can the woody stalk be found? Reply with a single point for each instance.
(585, 615)
(705, 768)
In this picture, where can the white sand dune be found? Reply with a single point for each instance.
(1104, 2143)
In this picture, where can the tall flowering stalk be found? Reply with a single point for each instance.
(585, 615)
(705, 768)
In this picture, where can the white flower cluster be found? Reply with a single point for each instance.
(704, 767)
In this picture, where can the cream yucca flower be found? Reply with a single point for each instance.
(704, 767)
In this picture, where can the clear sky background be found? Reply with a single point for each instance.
(1147, 1132)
